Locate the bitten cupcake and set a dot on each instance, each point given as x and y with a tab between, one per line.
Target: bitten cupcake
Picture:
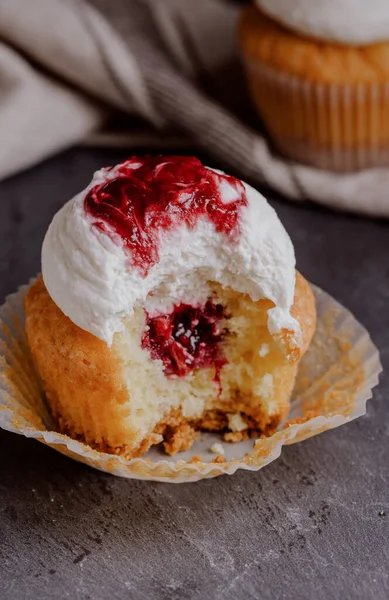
169	304
318	72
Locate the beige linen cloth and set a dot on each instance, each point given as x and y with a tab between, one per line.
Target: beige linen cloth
66	64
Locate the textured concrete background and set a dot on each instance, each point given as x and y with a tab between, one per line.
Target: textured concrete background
306	527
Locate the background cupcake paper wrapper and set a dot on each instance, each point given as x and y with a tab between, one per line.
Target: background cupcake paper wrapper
303	114
172	65
335	380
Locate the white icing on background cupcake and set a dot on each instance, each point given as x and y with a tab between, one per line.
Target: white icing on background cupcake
89	277
354	22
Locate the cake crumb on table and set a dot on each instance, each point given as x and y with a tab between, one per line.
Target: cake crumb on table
217	448
220	458
196	459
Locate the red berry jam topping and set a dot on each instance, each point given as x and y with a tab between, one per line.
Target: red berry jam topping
151	194
187	339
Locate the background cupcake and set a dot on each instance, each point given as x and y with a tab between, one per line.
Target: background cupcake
319	75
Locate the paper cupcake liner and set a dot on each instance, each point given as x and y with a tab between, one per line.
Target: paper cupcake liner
335	380
336	127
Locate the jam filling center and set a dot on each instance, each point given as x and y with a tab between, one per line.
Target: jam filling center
152	194
187	339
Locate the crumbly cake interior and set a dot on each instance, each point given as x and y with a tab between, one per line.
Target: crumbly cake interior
123	399
250	398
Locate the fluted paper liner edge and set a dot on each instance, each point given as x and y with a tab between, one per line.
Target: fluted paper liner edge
335	380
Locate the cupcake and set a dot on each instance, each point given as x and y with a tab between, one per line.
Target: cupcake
318	73
168	304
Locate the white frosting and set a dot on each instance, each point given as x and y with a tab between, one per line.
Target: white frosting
90	277
354	22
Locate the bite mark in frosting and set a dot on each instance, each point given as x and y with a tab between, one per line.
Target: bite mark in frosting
98	281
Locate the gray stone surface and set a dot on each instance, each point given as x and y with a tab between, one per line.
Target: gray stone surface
305	527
